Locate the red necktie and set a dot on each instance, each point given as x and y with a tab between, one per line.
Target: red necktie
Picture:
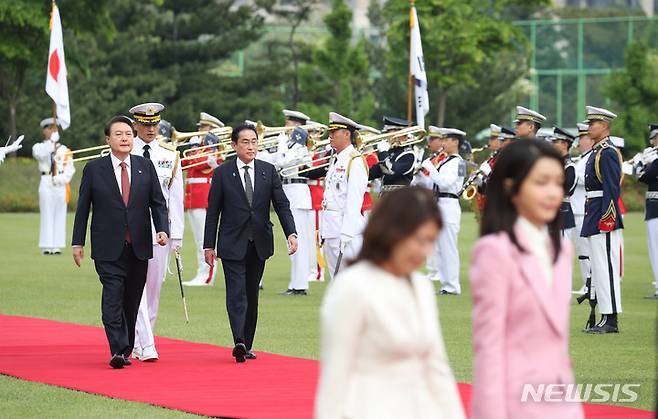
125	191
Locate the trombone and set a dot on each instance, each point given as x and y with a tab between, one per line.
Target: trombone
264	131
98	151
183	138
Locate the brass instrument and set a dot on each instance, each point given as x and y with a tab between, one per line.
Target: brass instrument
478	150
182	138
264	131
290	170
475	180
99	151
635	166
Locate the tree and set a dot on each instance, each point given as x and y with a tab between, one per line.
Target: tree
24	36
634	93
458	38
338	79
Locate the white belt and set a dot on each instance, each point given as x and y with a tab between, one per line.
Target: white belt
652	195
192	180
593	194
567	200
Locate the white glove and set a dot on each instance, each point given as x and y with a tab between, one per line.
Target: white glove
282	143
15	146
176	244
427	165
383	146
344	242
59	180
485	168
2	154
212	162
649	156
54	137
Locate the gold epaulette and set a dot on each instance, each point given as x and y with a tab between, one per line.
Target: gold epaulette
168	146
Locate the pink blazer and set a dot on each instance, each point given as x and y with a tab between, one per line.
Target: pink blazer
520	330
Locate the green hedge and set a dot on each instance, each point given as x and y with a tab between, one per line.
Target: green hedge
19	187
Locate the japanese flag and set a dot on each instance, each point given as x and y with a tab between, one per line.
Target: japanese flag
56	85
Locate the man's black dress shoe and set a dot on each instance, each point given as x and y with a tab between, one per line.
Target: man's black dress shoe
444	292
126	361
250	355
239	352
651	297
117	361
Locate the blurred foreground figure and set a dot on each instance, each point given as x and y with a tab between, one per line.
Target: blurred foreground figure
382	351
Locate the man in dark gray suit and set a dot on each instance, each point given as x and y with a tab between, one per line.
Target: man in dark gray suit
124	192
242	191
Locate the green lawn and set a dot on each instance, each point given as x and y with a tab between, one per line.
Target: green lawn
52	287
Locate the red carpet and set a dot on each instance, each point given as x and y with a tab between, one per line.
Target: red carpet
192	377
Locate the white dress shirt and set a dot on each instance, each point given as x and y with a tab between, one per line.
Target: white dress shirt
241	171
540	246
116	166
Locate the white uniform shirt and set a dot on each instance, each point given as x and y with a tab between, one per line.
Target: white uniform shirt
578	198
449	178
166	166
298	194
343	195
65	170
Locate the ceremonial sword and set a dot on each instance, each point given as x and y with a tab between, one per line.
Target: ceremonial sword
179	268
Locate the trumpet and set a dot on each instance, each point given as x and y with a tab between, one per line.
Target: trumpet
264	131
319	163
98	151
195	152
413	135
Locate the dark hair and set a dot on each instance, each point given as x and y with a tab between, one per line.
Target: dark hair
116	119
396	216
237	130
514	162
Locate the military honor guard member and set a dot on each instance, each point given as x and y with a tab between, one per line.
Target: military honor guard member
124	194
293	150
446	181
527	122
56	167
197	187
346	182
396	162
603	224
578	206
562	141
167	166
649	175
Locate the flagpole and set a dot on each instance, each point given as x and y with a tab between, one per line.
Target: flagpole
52	10
410	84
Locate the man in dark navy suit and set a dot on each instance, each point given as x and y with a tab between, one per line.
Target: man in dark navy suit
124	192
602	224
242	191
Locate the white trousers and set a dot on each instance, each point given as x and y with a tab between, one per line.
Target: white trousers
443	263
148	306
606	266
652	239
331	250
197	217
52	207
582	249
301	260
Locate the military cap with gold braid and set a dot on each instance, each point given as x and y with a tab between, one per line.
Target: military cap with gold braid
207	119
599	114
525	114
337	121
147	113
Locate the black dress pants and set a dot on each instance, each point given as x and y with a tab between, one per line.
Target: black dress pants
242	278
123	283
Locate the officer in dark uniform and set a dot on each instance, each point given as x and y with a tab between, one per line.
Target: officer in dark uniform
562	141
396	165
603	224
649	175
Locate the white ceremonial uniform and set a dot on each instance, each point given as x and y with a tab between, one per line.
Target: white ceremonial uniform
578	208
57	170
382	353
447	181
299	196
167	167
342	222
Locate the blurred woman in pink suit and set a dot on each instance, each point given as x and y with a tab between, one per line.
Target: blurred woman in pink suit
521	284
382	355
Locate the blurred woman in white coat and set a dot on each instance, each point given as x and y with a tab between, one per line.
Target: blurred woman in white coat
382	353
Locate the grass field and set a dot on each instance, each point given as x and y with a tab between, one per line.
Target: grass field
52	287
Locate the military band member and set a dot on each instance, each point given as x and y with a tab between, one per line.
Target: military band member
167	165
649	175
396	161
603	224
293	150
528	122
56	169
578	206
446	180
197	187
346	182
562	141
494	142
504	137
